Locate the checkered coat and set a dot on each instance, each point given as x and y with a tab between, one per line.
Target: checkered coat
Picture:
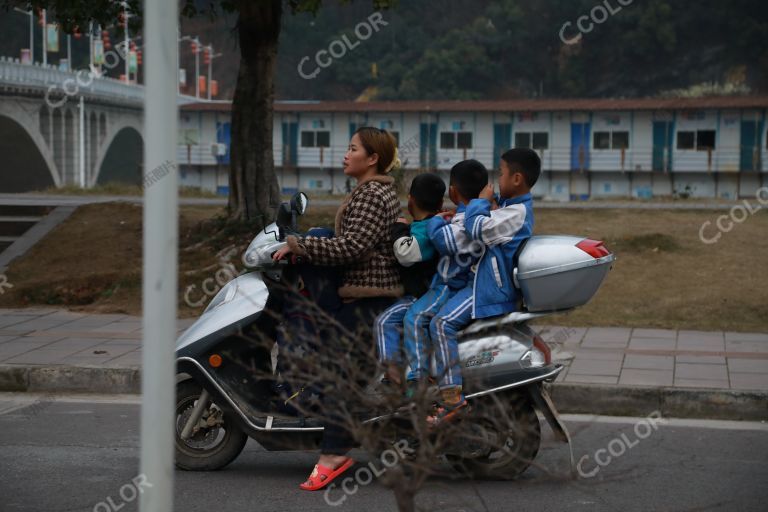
362	241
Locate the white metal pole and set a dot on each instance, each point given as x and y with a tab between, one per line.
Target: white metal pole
160	257
31	36
127	43
90	39
45	40
69	52
81	141
197	68
210	68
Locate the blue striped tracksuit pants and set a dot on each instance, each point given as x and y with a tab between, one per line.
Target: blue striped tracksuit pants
411	317
453	316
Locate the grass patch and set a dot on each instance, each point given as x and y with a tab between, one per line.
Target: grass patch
120	189
651	242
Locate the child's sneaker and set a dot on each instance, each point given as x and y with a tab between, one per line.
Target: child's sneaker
447	413
453	404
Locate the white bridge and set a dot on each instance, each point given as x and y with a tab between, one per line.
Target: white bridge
61	128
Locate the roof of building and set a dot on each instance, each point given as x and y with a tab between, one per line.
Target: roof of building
516	105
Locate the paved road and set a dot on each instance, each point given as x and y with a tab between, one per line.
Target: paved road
72	453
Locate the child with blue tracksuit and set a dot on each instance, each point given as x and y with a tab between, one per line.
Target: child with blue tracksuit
418	261
449	239
500	227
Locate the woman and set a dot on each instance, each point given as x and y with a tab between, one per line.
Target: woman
370	281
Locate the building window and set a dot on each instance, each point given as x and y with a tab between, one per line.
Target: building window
455	140
522	140
701	140
540	140
686	140
620	140
533	140
705	140
610	140
601	140
315	139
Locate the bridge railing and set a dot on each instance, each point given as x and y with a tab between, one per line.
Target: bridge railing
56	83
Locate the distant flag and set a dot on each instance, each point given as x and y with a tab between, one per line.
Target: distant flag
52	36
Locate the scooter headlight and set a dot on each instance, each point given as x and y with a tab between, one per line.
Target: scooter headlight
225	295
250	258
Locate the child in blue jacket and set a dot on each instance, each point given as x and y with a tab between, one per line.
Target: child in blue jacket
500	228
449	239
417	260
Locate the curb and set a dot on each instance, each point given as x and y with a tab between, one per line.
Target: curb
76	379
568	398
720	404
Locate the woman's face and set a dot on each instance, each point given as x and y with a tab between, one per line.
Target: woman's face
357	161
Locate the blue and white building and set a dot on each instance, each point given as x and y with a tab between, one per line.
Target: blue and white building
710	147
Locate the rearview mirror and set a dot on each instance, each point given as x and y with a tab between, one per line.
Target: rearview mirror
299	203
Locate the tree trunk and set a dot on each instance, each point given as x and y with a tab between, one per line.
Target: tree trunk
253	188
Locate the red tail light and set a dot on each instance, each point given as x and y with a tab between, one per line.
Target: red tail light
594	248
543	348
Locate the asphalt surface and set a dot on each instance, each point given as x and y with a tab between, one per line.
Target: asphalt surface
77	453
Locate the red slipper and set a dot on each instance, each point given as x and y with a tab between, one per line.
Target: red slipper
322	475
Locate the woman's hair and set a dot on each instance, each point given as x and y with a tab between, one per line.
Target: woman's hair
383	144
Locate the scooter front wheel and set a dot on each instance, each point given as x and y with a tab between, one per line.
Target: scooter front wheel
214	442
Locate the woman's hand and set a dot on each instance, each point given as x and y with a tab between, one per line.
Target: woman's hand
281	253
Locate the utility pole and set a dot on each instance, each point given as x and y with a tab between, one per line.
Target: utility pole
31	15
81	141
45	40
160	257
127	43
197	67
211	56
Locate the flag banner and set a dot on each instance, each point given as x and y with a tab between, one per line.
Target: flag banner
52	36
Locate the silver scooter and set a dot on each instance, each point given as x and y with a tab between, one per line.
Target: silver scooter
223	396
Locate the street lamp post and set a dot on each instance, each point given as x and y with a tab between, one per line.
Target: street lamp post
45	40
31	15
127	43
197	67
196	41
211	56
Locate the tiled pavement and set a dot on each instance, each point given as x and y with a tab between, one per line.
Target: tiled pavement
54	337
601	355
661	357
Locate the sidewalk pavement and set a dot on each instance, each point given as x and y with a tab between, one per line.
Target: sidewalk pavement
608	370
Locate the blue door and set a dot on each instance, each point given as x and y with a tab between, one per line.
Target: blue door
580	146
502	141
428	145
223	136
290	144
751	133
663	133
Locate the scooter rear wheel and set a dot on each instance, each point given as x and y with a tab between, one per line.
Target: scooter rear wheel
509	424
210	448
